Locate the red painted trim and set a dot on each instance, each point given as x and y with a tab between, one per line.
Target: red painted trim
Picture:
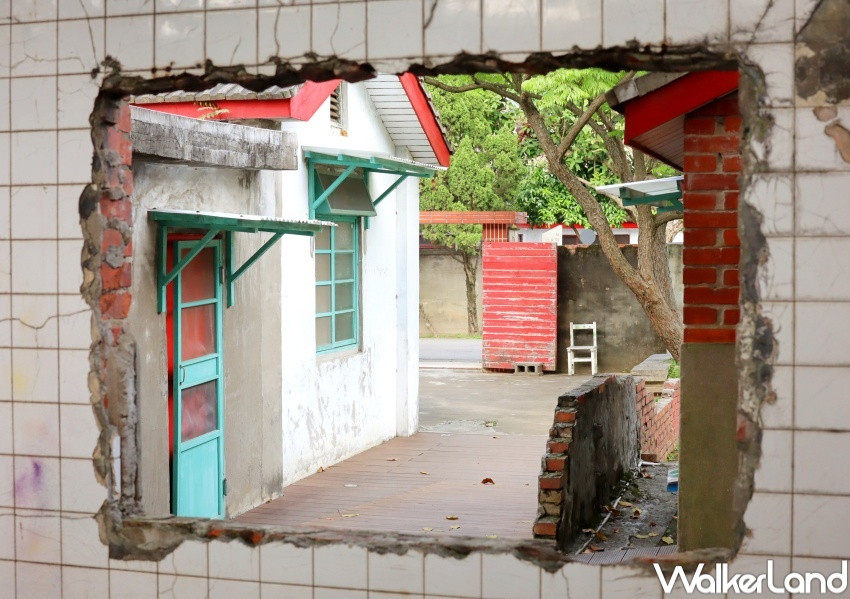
679	97
427	118
625	225
310	97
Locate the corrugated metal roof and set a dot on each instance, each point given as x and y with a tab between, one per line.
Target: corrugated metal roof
396	111
221	91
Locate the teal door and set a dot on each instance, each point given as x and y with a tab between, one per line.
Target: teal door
198	407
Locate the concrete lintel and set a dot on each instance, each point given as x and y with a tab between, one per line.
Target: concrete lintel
182	140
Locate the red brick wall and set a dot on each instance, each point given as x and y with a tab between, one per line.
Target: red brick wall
520	316
712	162
659	420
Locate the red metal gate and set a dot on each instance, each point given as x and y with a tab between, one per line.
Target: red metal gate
520	304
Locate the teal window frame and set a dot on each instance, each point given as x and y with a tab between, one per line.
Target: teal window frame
348	342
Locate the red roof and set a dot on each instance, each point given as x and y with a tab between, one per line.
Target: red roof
655	117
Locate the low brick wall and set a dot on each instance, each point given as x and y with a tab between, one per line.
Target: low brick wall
593	442
659	417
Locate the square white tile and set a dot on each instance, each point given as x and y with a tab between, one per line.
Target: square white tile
129	40
82	9
774	153
773	196
6	374
5	210
128	7
510	26
68	212
73	376
777	63
762	20
339	565
34	266
175	5
34	321
7	481
5	106
7	535
285	591
572	580
35	375
231	37
234	560
132	585
33	212
36	429
37	482
821	333
213	4
76	95
822	404
75	156
814	472
811	537
81	542
84	583
396	573
189	559
39	580
284	31
757	565
37	537
819	209
816	149
625	21
82	45
7	573
6	446
506	577
346	23
179	39
6	146
33	103
768	517
622	582
80	490
821	268
286	563
74	324
780	414
34	10
385	18
451	27
78	431
34	158
573	23
450	576
70	271
695	21
828	568
33	49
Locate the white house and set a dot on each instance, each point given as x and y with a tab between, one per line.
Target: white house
306	355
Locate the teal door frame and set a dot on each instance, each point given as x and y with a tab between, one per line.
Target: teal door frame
198	484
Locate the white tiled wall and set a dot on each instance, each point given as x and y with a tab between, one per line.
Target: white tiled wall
49	544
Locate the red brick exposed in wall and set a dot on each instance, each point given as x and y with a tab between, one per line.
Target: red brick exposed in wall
520	304
712	162
659	417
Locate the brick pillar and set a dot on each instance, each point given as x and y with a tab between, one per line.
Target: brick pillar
712	163
709	385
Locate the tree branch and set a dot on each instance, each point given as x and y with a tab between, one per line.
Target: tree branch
668	217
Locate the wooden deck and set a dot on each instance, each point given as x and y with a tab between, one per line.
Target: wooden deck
410	485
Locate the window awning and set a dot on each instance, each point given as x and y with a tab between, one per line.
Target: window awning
665	194
215	223
337	180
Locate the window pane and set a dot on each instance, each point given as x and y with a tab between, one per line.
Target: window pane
344	326
323	267
323	331
344	236
344	264
198	278
198	411
323	298
197	329
344	296
323	239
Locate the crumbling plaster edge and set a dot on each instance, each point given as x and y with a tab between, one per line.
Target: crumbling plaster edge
132	537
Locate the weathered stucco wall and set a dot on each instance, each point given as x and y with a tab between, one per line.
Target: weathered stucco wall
442	295
792	220
251	334
589	290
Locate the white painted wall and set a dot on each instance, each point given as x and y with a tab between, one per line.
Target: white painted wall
536	235
338	404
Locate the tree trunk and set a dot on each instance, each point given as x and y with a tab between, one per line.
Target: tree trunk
470	271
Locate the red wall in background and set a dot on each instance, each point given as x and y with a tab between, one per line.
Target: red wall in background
520	304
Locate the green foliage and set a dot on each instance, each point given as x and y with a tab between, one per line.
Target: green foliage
674	370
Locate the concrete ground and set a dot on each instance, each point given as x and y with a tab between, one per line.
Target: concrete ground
437	352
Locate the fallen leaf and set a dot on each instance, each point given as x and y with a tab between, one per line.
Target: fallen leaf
492	536
601	536
636	513
653	524
675	517
452	517
668	540
487	481
653	534
321	469
588	530
423	472
616	530
427	528
495	437
625	504
645	474
454	527
349	515
594	548
392	459
641	536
